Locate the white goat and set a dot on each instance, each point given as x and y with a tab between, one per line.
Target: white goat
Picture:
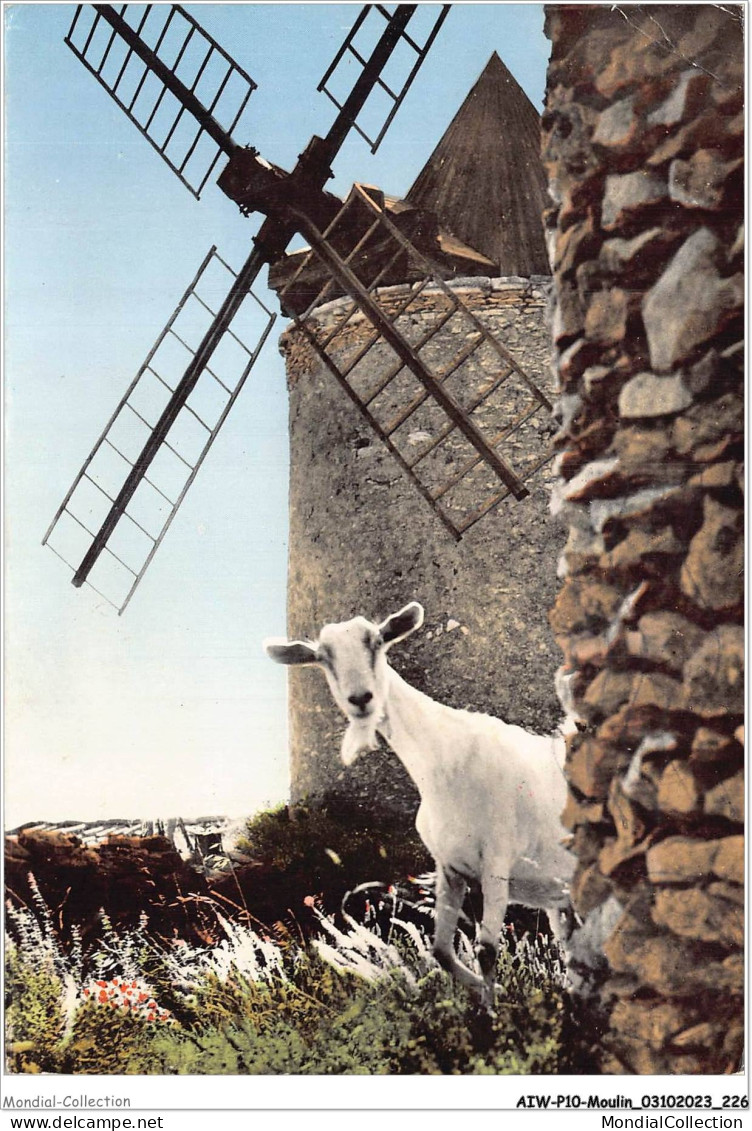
491	794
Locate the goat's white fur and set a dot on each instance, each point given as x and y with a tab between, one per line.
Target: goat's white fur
491	793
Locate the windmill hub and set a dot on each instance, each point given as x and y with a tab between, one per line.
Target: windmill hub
256	185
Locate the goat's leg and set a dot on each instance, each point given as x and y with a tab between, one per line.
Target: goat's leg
495	888
450	891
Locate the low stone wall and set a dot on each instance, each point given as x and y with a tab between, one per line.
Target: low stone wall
642	139
363	541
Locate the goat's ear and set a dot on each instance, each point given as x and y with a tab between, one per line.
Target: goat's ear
401	624
291	651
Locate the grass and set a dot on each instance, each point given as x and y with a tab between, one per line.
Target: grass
362	996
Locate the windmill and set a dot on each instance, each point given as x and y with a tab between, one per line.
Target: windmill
186	95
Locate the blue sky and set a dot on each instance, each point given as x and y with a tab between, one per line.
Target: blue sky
171	709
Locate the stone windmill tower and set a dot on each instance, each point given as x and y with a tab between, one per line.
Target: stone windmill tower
362	540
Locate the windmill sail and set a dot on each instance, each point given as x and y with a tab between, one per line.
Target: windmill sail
119	507
451	403
397	50
186	95
180	89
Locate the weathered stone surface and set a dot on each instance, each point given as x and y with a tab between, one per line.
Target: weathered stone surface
651	486
652	1021
619	254
573	244
589	889
643	447
627	194
702	181
582	550
647	395
727	799
712	573
734	893
664	638
630	830
714	675
684	100
581	605
639	60
581	812
729	859
708	746
617	125
640	545
658	960
592	764
706	1034
607	314
690	302
694	914
678	791
706	427
681	859
569	315
716	475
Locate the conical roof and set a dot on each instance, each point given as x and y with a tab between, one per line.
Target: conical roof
485	179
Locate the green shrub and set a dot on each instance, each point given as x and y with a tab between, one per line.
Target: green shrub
382	848
35	1021
355	1001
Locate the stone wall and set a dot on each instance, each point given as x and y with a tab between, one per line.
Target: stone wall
363	541
642	138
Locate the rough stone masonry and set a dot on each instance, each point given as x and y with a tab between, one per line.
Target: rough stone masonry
363	541
642	140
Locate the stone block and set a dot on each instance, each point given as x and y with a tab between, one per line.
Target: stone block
574	245
584	605
727	799
678	791
691	302
712	573
706	428
729	859
670	965
630	828
695	914
646	395
646	446
592	764
733	893
618	125
589	889
708	747
714	674
702	181
683	102
581	812
617	255
639	546
626	195
653	1021
681	859
606	317
664	638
